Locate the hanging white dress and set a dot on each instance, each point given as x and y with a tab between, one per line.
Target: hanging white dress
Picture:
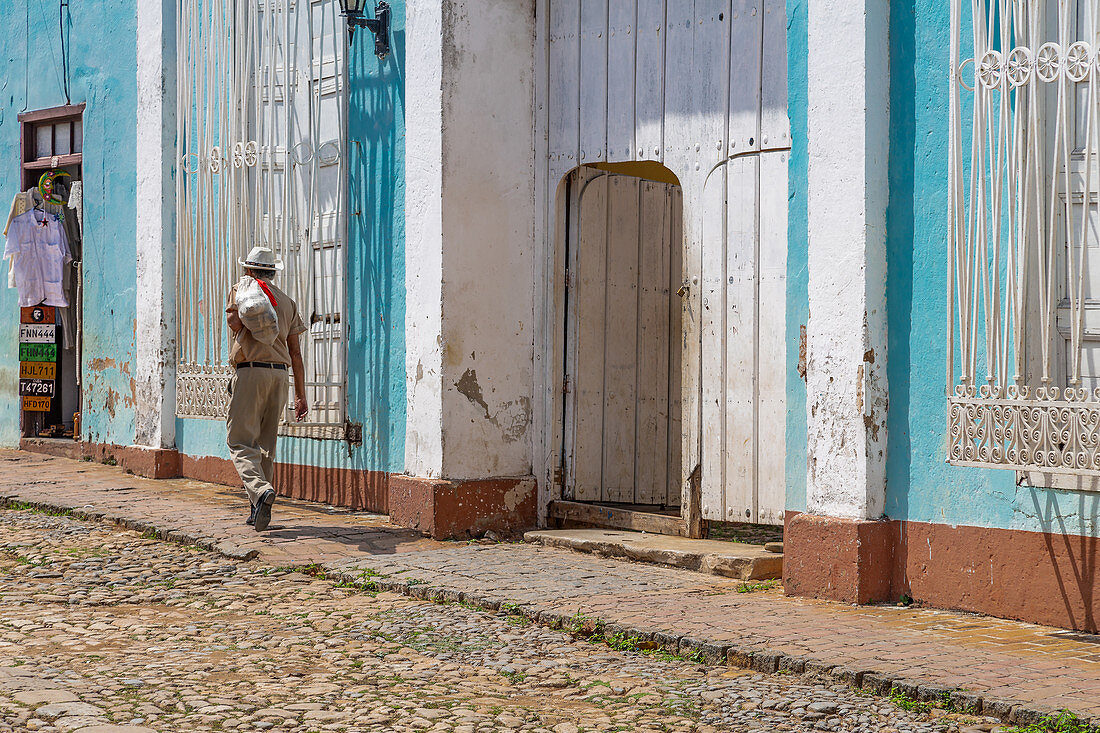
41	252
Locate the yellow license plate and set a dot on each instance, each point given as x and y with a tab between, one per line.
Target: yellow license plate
36	404
38	370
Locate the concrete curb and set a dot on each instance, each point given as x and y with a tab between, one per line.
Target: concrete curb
758	658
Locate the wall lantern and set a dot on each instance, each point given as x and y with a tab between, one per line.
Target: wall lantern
379	25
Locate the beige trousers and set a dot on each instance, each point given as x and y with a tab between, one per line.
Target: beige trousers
256	402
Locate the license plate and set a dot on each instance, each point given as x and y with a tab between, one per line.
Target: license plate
36	404
37	370
36	387
37	333
37	352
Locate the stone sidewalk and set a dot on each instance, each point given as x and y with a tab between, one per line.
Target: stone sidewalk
1013	670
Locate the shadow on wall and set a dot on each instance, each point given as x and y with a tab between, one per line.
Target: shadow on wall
1043	570
899	253
375	282
1072	553
1046	577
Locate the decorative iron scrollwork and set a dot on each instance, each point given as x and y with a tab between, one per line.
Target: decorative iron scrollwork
1045	429
202	391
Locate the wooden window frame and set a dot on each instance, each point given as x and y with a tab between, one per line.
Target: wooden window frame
30	165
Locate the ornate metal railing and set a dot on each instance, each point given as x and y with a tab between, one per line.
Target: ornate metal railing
1024	251
1045	429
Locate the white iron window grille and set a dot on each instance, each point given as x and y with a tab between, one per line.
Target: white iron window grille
262	139
1024	254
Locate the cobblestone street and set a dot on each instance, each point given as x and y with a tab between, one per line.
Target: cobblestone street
106	630
1013	671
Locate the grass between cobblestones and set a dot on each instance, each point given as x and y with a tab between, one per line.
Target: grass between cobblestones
594	631
1063	722
343	636
36	509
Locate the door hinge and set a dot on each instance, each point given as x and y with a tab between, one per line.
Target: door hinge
566	385
570	281
559	475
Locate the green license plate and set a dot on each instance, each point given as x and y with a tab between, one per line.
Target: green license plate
37	352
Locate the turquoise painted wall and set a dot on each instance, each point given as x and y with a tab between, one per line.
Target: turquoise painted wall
32	80
921	486
797	227
375	277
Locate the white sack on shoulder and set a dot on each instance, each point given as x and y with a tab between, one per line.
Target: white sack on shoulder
256	312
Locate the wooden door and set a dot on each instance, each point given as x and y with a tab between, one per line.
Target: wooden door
623	319
742	340
699	88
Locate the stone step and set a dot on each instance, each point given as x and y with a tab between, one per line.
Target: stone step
58	447
728	559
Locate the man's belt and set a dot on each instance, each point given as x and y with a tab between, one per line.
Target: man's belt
261	365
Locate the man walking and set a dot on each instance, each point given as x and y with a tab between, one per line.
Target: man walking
258	389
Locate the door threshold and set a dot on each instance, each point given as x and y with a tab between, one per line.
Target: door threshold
616	518
728	559
57	447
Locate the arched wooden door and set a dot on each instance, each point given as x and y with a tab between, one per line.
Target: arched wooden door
622	407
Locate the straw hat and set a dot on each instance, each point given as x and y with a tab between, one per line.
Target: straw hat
261	258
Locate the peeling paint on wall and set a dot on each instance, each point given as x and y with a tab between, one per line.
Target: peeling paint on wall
470	283
469	387
847	198
110	157
512	418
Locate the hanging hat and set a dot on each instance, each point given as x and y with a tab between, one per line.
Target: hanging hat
261	258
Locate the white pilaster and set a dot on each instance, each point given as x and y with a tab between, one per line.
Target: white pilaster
470	251
424	238
848	146
155	328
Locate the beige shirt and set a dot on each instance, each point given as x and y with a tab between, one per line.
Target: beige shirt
242	347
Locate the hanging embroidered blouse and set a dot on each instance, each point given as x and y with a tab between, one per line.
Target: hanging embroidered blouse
41	252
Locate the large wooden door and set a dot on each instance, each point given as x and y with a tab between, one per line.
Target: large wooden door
623	318
700	89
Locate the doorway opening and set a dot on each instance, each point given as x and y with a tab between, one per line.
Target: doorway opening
51	156
621	438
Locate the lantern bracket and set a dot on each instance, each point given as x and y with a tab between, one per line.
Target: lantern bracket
379	25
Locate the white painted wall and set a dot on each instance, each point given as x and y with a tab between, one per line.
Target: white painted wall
155	342
848	146
470	238
488	221
424	238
